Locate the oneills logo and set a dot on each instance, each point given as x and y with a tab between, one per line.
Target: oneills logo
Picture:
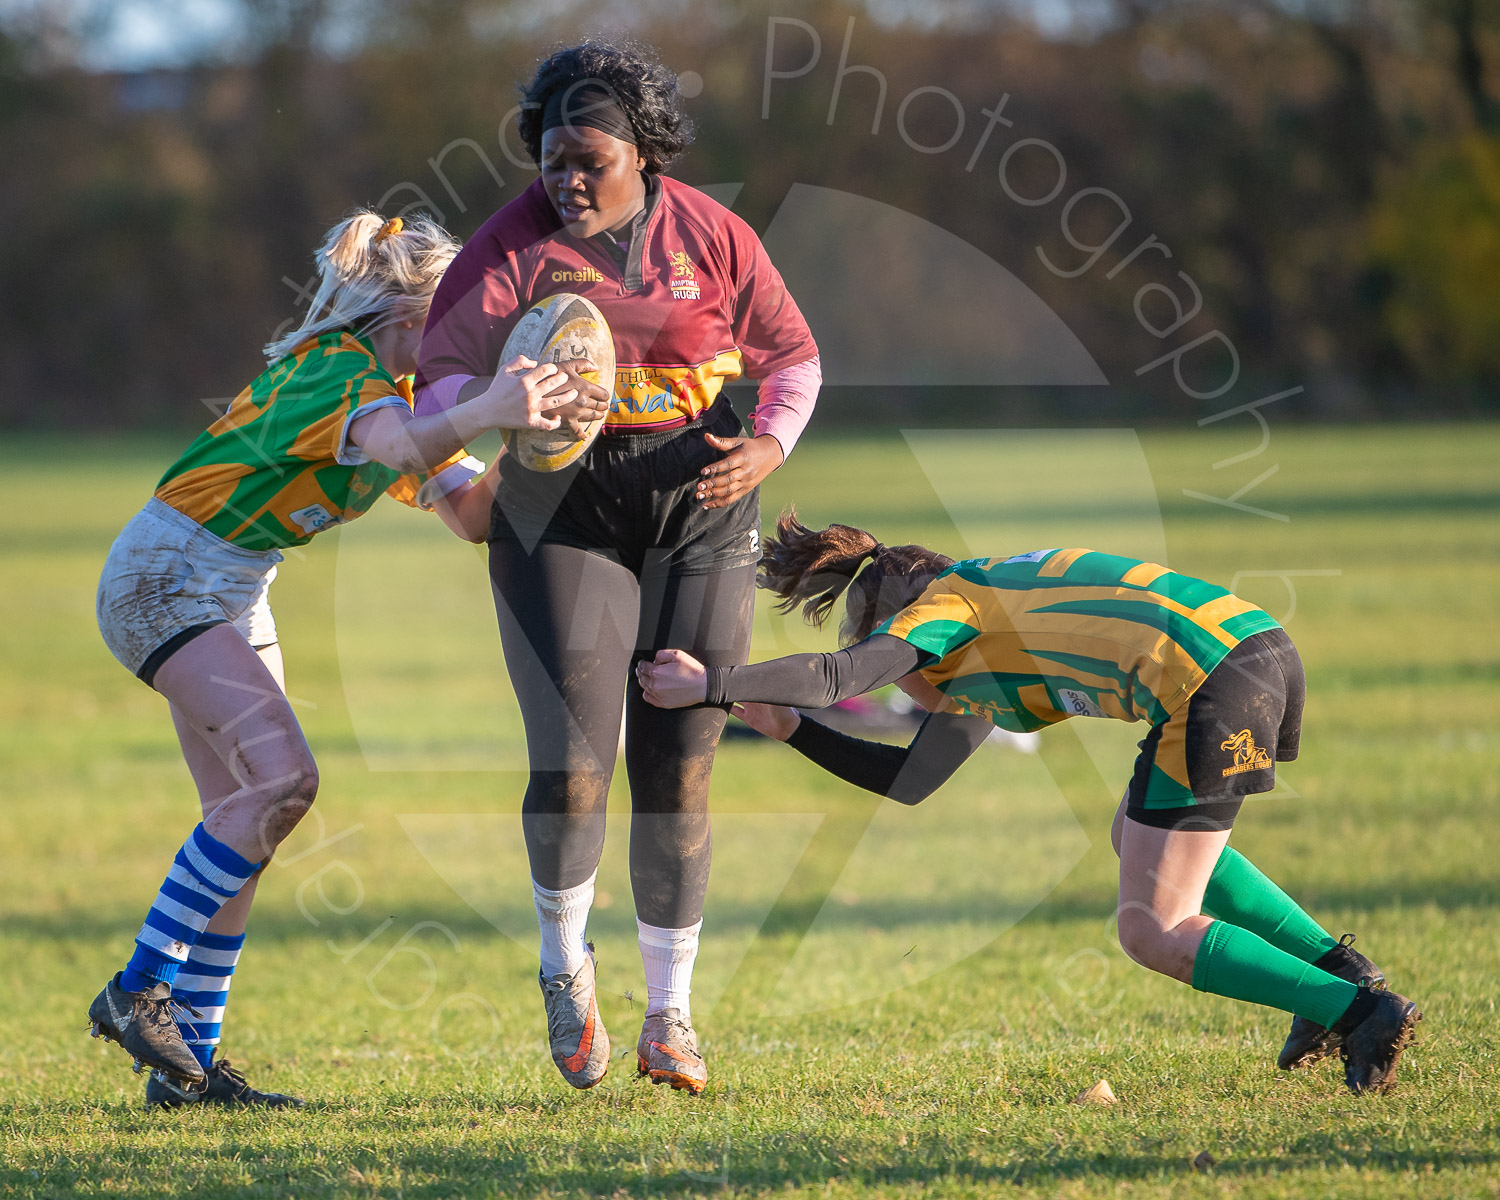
684	280
1247	755
587	275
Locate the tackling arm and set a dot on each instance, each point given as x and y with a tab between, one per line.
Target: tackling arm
905	774
816	680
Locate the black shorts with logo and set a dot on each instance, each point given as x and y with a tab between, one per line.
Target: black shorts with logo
633	498
1195	768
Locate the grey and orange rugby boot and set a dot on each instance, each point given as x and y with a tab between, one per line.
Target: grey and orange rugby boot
1372	1047
1308	1042
222	1085
580	1046
144	1024
668	1052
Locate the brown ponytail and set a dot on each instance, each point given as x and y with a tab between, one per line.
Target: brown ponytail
815	567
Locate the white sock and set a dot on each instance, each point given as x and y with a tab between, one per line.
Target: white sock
562	917
668	956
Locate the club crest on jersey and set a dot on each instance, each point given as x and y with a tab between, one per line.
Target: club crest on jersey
1247	755
684	279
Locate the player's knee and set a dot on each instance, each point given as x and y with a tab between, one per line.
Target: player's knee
285	803
1141	935
577	792
305	785
300	789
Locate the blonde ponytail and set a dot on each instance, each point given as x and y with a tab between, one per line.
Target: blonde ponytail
815	567
349	248
372	273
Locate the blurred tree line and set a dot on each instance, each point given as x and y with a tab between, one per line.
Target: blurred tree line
1328	171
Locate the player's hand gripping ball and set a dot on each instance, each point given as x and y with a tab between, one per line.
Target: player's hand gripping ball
565	330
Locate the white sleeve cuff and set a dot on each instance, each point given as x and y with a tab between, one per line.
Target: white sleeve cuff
352	456
450	478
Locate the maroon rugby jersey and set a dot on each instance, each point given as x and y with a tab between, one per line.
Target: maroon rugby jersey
696	302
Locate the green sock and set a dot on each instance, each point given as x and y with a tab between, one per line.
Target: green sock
1240	894
1234	962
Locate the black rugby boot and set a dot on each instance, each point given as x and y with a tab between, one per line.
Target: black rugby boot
222	1085
145	1025
1371	1047
1309	1042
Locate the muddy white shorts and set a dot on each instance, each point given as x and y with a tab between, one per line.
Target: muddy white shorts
167	579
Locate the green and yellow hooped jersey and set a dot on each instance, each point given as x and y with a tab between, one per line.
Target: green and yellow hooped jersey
276	469
1034	639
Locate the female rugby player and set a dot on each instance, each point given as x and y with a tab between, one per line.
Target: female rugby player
183	603
1027	641
650	539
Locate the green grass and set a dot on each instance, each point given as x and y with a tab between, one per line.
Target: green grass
893	1002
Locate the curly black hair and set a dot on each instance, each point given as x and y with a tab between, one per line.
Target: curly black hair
647	91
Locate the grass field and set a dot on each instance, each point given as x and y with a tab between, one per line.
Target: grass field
892	1001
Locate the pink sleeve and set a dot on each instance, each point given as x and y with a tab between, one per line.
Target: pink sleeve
440	395
786	402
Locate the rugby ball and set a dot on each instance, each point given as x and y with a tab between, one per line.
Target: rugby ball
559	328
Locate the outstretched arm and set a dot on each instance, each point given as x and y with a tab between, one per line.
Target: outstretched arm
906	774
522	395
676	680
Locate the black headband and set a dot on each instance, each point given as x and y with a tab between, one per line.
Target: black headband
588	103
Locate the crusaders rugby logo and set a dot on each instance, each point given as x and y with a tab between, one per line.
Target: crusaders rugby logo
1247	755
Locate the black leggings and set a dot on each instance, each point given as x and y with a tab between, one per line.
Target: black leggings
573	623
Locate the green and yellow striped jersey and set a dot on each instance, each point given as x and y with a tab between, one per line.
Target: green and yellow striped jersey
1036	638
277	468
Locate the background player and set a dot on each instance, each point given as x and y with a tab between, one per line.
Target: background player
1026	641
650	539
183	603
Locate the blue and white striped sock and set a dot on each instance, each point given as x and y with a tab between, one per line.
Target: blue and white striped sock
204	875
204	983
